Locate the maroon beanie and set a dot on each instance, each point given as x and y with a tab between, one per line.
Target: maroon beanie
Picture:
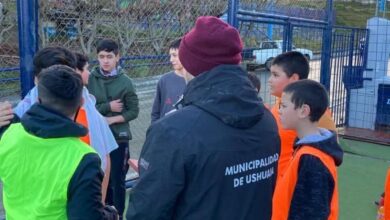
210	43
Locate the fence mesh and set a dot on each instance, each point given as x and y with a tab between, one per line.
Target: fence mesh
9	57
144	28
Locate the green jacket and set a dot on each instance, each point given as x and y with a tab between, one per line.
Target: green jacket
109	88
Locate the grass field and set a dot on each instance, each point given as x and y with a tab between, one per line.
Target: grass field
361	179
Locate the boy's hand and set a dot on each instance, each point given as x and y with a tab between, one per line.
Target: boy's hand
6	113
116	105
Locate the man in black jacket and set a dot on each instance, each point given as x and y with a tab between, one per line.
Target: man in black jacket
215	158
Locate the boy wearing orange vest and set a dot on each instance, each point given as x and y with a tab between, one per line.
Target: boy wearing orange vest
287	68
308	188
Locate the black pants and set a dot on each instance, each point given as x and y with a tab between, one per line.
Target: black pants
116	191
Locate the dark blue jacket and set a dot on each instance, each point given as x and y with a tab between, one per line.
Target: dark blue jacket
216	158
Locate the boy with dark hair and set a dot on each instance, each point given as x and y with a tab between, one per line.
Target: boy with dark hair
45	58
62	174
82	66
308	189
170	86
48	57
99	136
117	101
287	68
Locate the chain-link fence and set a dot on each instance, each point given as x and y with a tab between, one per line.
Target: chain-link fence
144	28
9	57
268	27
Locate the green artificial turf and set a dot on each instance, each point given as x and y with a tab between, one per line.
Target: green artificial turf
361	179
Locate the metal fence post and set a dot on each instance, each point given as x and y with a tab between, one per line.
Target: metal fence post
28	41
232	12
327	48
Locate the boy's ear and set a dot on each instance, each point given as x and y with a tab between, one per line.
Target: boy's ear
304	111
294	77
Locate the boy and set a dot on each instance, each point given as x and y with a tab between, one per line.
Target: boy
285	69
47	171
99	136
308	188
171	85
117	101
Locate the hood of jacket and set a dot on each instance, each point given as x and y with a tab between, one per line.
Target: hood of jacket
226	93
326	141
44	122
97	72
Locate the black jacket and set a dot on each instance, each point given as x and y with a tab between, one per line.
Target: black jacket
84	189
216	158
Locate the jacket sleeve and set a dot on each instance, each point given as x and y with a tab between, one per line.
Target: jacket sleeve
162	177
313	191
25	104
104	108
157	103
84	192
131	108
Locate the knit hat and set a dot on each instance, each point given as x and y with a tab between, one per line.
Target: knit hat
210	43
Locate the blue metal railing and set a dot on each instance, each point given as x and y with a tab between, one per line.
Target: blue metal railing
164	62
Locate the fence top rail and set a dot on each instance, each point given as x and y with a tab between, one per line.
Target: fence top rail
279	17
9	69
349	28
259	20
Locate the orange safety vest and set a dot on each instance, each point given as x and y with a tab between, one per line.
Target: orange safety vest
82	119
387	196
285	186
287	137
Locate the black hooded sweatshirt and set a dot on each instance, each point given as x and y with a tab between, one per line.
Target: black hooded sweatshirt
215	158
315	203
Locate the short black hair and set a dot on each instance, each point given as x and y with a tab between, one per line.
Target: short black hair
293	62
175	44
81	60
50	56
311	93
255	81
108	45
60	88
